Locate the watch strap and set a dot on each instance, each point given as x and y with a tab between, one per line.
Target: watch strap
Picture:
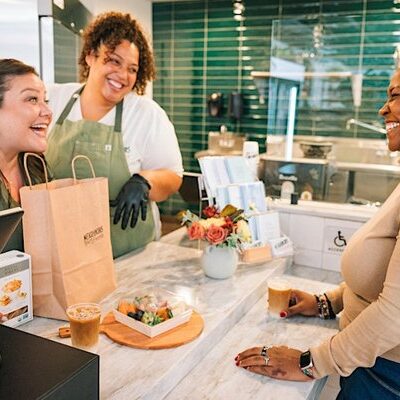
308	372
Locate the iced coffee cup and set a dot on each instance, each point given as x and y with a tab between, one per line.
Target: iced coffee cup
84	319
278	296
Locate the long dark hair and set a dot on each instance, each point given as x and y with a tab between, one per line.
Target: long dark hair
9	67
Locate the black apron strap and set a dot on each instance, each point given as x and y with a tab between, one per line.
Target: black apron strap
118	117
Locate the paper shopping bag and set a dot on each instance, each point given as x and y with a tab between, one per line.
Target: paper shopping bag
67	233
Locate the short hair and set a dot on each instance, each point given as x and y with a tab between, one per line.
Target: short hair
9	68
110	29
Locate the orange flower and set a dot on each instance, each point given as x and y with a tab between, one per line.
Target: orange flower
216	234
226	228
228	225
196	231
210	212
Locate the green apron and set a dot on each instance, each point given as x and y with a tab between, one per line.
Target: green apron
104	146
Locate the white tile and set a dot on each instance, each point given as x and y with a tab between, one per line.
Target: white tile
343	223
307	257
331	262
284	222
307	231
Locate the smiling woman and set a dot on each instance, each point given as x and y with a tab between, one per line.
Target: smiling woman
127	136
366	351
391	113
24	118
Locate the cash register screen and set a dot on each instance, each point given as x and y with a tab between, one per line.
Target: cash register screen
9	220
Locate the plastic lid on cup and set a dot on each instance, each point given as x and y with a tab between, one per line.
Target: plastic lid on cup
250	148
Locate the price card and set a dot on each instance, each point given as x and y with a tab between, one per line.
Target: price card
281	247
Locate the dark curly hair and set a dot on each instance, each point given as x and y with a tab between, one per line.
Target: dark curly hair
110	29
9	68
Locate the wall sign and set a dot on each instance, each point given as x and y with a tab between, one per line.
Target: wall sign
336	238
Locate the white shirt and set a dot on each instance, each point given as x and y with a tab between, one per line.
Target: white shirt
147	133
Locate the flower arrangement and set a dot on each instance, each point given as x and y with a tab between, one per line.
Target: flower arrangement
226	228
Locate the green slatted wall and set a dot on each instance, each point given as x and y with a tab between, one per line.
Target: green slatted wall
201	49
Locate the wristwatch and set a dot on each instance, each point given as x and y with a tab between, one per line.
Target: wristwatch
306	365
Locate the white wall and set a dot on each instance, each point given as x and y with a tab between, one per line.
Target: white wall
140	9
19	31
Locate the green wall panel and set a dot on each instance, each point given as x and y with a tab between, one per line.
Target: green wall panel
200	49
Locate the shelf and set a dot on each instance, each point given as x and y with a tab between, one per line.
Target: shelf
267	74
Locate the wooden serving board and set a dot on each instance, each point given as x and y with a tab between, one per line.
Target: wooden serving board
126	336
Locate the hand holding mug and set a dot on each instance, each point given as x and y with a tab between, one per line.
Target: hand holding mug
302	303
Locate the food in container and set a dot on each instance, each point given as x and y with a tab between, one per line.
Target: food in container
152	311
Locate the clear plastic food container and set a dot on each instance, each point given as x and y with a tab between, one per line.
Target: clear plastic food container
153	301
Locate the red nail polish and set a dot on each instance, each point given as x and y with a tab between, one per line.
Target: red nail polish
237	363
237	357
283	314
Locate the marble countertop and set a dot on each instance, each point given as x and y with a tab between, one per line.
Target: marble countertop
217	376
128	373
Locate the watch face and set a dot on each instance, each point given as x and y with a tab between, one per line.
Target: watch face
305	359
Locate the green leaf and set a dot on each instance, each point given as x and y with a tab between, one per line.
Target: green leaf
157	319
188	217
228	210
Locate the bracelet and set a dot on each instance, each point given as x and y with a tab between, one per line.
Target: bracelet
332	314
325	310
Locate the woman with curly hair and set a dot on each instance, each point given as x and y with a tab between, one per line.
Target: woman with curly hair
127	136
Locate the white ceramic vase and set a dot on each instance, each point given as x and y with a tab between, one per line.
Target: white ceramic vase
219	262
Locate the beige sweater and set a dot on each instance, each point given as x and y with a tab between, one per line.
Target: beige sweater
369	299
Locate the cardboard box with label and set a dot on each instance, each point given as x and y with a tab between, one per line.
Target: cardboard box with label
15	288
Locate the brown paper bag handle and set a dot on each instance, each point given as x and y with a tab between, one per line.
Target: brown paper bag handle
26	155
73	165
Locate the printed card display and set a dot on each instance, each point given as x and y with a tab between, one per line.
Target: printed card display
223	171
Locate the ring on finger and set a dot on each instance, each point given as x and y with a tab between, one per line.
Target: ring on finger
264	354
264	351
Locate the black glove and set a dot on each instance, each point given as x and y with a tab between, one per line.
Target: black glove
131	199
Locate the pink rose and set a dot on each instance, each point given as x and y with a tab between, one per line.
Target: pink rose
216	234
196	231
